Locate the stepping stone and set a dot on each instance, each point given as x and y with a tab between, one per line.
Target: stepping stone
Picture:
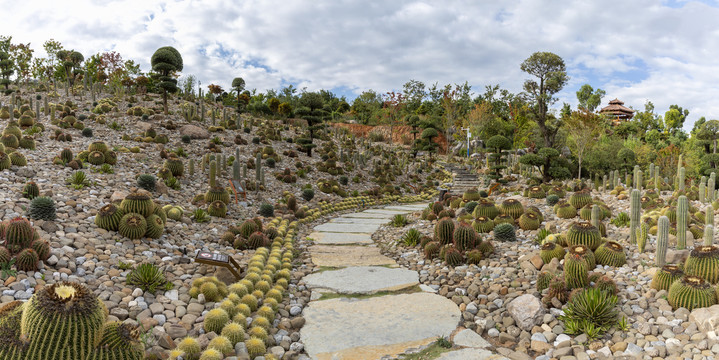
363	279
340	238
409	208
351	329
341	256
385	212
366	215
469	338
474	354
359	221
346	228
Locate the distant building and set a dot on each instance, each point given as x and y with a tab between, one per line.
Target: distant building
617	112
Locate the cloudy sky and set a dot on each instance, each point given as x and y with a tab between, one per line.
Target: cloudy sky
662	51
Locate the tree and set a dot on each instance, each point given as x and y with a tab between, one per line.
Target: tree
674	119
589	99
167	62
498	145
366	105
394	103
584	127
22	57
70	62
215	91
551	74
238	84
415	93
548	160
6	64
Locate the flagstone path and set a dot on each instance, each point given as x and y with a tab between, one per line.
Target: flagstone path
341	326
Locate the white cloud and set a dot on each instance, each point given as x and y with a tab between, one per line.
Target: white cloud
634	50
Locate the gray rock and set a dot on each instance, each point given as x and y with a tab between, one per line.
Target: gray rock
527	311
363	279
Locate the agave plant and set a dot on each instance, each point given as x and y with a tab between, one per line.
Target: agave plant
591	311
399	221
147	277
172	183
411	237
78	180
200	215
622	219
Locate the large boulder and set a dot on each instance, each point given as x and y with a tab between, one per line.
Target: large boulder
527	311
194	132
707	319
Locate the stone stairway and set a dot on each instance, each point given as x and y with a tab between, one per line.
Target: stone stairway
463	179
345	322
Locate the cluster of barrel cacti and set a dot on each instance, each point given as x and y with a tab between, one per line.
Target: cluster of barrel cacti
457	242
137	216
246	309
21	244
65	321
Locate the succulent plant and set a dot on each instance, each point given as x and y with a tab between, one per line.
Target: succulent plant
452	256
19	233
132	226
137	202
585	253
580	199
543	280
215	320
30	190
27	260
483	224
175	166
565	210
443	231
512	208
217	208
465	238
108	217
234	332
691	292
431	249
550	251
155	226
5	162
504	232
147	182
529	221
575	271
255	347
485	208
666	276
42	208
42	248
610	253
703	262
96	158
147	277
267	210
583	233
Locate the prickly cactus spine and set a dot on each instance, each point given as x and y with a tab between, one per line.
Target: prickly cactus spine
682	210
635	208
662	240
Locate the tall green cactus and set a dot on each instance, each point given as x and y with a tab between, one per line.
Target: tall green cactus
192	167
642	236
638	180
213	174
662	240
627	179
708	235
635	208
702	191
258	169
604	182
680	178
596	213
709	215
711	187
236	169
682	213
651	170
657	179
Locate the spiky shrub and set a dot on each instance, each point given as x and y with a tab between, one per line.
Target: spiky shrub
529	221
140	203
503	219
27	260
453	257
552	199
30	190
512	208
256	240
234	332
611	253
485	208
642	236
550	251
691	292
580	199
19	233
42	208
557	290
64	321
147	277
662	240
175	166
132	226
217	208
147	182
222	344
155	226
703	262
504	232
108	217
119	341
443	231
465	238
431	249
583	233
411	237
211	354
543	280
255	347
247	228
98	146
666	276
215	320
565	210
483	224
41	247
591	311
474	256
575	271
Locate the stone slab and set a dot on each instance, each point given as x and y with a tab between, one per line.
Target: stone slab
363	279
408	208
359	221
340	238
341	256
469	338
366	215
346	228
385	211
351	329
474	354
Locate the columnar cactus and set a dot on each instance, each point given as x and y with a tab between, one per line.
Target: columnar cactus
236	169
635	207
192	168
709	215
642	236
258	169
213	174
651	170
682	211
657	179
702	191
662	240
711	188
708	235
604	182
596	216
680	179
638	180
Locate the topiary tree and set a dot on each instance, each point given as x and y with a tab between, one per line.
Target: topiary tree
71	61
6	70
548	160
166	62
497	145
425	143
238	84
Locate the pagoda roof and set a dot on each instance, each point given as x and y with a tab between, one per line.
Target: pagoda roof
616	107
